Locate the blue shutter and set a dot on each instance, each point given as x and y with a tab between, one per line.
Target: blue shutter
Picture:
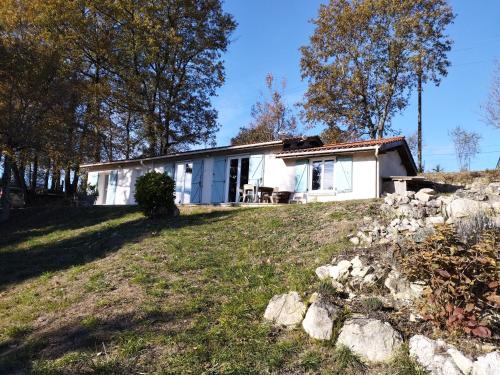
343	174
113	181
256	170
218	180
301	167
197	181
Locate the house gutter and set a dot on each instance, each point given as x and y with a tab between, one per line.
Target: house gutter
331	151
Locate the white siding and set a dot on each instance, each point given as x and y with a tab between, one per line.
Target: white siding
364	180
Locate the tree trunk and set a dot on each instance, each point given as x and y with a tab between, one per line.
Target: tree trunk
4	197
419	126
21	182
46	177
67	182
34	174
76	178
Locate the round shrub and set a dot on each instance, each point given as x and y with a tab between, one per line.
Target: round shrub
154	193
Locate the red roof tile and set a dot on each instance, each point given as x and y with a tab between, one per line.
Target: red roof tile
356	144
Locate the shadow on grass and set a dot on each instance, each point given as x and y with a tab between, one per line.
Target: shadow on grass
35	222
17	355
19	265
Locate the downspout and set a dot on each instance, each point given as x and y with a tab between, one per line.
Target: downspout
377	173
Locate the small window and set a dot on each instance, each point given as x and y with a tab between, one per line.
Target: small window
322	175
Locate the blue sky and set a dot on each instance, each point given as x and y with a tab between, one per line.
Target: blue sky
270	33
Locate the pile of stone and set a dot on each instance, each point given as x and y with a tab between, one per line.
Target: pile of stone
414	214
374	340
353	276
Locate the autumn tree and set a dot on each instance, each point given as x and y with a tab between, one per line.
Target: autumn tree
492	107
360	63
273	119
466	146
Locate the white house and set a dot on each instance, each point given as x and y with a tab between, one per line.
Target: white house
305	167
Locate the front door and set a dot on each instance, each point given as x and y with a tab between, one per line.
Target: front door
183	180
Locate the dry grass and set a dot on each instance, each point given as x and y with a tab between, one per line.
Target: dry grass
103	290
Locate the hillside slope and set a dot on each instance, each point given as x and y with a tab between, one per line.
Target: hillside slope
103	290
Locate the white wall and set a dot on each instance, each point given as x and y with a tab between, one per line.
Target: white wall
364	181
279	173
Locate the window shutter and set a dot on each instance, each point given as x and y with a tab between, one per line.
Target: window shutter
301	176
343	174
255	170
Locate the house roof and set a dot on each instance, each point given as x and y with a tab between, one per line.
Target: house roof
383	145
347	145
188	153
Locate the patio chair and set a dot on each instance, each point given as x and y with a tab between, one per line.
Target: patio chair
248	193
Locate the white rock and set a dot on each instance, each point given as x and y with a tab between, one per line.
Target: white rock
319	319
488	364
371	339
401	288
361	272
464	207
460	360
493	188
433	356
425	195
369	280
434	220
356	262
354	240
323	272
285	309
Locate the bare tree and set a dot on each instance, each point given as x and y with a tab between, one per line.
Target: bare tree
492	107
466	146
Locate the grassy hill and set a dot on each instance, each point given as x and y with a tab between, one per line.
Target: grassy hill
104	290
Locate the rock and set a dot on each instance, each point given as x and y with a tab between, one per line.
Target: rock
493	188
464	207
356	262
361	272
371	339
285	309
319	319
401	288
461	361
434	220
421	234
488	364
433	356
354	240
389	200
340	272
369	280
314	297
323	272
425	194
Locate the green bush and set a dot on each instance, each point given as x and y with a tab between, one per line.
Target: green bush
154	193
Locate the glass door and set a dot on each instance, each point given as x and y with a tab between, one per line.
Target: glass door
238	176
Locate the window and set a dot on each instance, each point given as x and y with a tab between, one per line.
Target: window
322	175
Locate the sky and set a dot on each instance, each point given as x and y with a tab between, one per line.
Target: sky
270	33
